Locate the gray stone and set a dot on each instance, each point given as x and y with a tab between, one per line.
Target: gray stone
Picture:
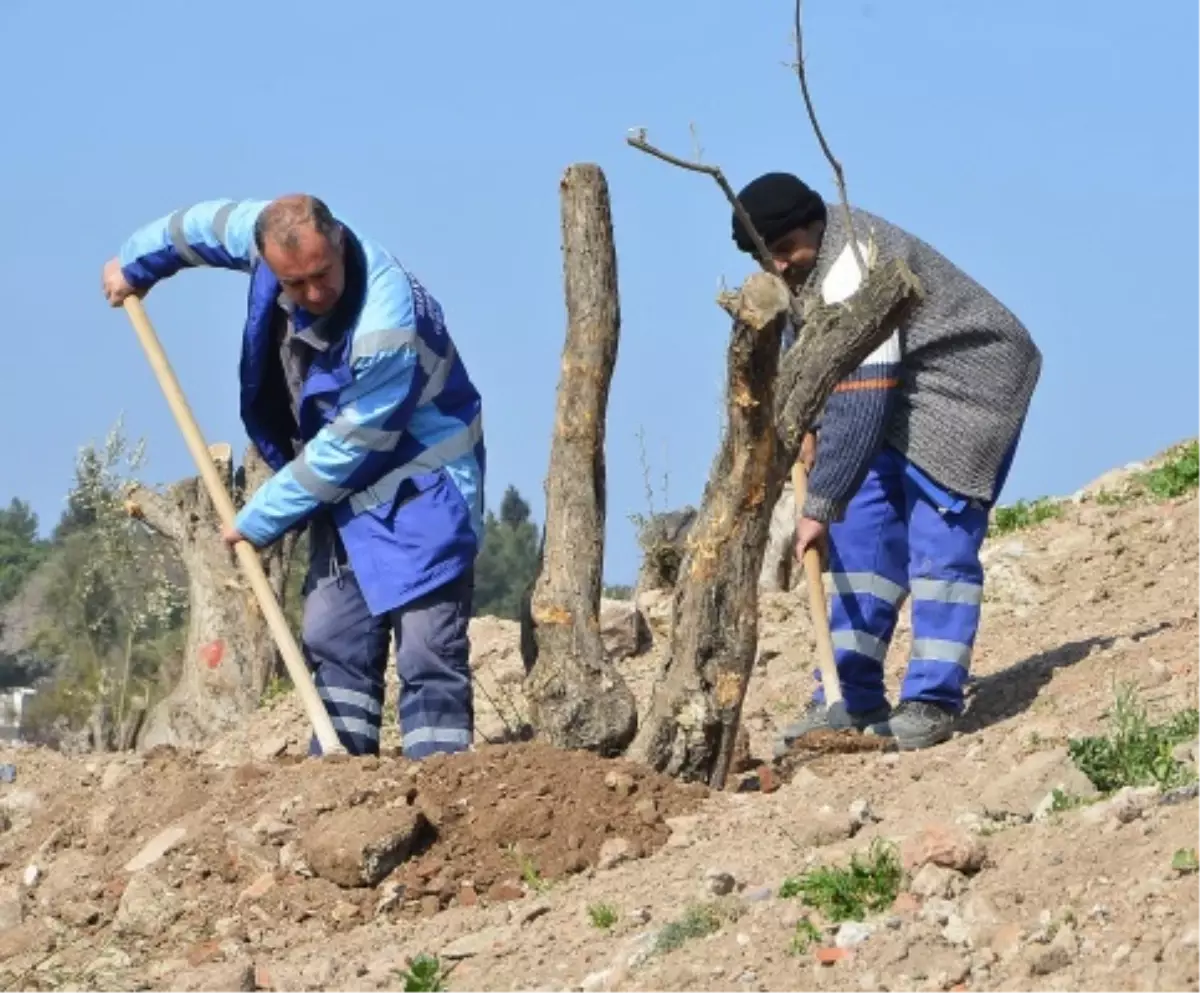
594	982
861	812
937	881
613	852
1020	790
938	911
157	847
1058	954
111	960
476	943
638	950
824	827
623	629
852	933
147	908
359	846
1124	807
237	975
758	894
271	748
956	931
271	830
1046	959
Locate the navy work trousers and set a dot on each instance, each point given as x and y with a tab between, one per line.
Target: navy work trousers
347	648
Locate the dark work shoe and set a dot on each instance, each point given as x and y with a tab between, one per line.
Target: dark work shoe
817	717
920	724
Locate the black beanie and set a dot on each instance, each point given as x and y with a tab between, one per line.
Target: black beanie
777	203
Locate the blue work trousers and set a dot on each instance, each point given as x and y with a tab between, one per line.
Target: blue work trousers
346	648
900	537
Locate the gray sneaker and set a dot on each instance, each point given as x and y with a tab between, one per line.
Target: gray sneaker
920	724
816	717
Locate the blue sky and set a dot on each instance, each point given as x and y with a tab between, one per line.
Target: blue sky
1047	148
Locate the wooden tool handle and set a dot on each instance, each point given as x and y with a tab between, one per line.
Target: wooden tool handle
246	554
817	606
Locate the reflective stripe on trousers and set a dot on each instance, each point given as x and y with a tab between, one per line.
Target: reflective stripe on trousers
347	650
894	542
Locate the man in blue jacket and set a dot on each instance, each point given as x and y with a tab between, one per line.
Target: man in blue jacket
354	393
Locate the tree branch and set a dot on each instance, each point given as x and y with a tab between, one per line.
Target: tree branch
838	174
153	510
761	252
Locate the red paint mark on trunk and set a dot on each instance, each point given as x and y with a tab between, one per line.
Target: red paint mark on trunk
212	653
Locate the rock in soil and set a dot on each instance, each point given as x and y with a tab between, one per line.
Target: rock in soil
360	846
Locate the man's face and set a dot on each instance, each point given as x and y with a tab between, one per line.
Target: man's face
310	269
795	253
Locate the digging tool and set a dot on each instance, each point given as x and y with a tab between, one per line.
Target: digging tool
246	554
835	707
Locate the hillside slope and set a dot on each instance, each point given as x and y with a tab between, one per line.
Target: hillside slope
991	862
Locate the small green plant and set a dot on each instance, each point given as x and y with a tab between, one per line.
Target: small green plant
1178	474
868	885
602	915
698	920
1185	861
1024	514
1136	752
807	934
424	975
1113	498
277	686
531	875
1060	801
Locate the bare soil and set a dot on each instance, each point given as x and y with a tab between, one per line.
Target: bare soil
218	870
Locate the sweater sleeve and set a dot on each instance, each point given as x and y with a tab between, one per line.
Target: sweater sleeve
855	415
852	426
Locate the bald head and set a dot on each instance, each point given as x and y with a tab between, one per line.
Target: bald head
282	221
301	242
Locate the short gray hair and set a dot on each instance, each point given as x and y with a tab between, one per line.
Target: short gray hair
281	220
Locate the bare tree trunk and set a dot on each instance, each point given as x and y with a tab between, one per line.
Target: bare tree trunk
714	635
691	729
229	655
577	699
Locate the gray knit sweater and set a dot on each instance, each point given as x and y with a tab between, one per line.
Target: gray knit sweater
949	390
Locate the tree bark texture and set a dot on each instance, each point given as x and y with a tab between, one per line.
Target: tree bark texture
577	698
714	636
691	728
230	655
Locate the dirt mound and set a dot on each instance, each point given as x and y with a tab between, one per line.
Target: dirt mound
169	853
516	814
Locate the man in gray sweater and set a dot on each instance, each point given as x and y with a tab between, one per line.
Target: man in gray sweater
912	451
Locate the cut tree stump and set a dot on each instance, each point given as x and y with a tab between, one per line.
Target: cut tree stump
691	728
577	698
230	655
